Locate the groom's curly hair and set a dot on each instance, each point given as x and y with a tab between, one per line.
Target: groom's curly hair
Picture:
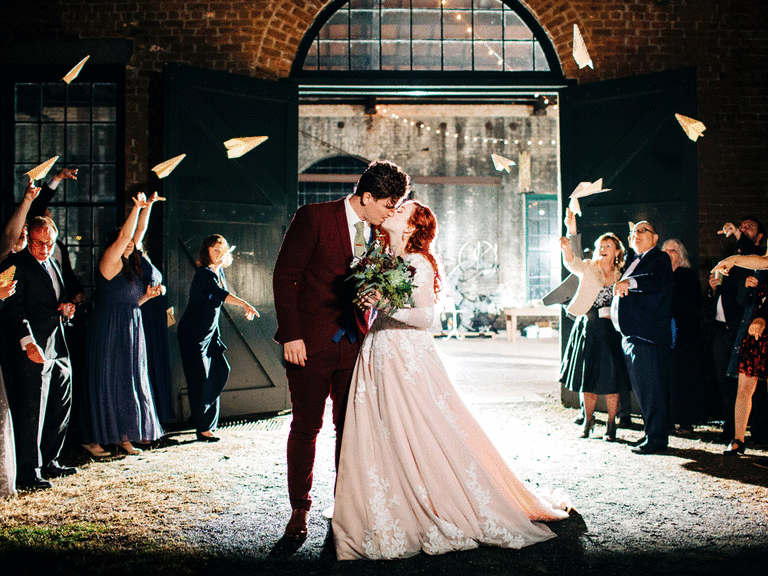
424	224
383	179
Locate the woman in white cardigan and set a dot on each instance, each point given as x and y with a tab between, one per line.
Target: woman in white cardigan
593	363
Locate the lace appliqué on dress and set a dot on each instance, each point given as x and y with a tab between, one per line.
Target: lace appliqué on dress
493	533
385	539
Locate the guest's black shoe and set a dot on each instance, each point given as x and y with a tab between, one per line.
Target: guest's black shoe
579	419
34	485
56	470
166	441
625	422
203	438
648	448
736	447
610	432
639	442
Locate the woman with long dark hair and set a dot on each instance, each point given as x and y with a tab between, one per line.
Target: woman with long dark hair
202	351
416	470
118	407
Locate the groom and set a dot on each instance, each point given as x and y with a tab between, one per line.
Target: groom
319	326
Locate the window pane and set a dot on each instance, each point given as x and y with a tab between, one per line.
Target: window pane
395	4
396	25
353	4
104	222
518	56
80	258
76	190
488	25
27	103
334	55
337	26
104	142
396	56
78	143
427	55
488	56
104	187
457	55
456	25
365	55
311	62
51	140
53	102
540	60
26	143
426	25
78	226
79	103
457	4
104	103
515	28
364	25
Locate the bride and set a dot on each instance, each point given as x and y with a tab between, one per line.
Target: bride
416	470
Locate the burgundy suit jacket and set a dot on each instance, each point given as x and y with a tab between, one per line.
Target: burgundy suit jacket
312	299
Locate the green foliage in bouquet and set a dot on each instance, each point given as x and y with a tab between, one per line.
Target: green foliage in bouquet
380	270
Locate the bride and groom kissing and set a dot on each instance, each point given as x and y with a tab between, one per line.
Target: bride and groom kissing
415	472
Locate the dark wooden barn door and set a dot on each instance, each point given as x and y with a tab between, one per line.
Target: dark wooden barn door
248	200
625	132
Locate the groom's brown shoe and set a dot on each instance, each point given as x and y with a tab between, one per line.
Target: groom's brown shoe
297	525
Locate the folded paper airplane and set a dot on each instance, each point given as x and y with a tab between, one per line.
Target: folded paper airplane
693	128
582	190
164	168
72	74
236	147
6	277
170	319
41	171
501	163
580	52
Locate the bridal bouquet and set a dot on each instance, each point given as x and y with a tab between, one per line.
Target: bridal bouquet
380	270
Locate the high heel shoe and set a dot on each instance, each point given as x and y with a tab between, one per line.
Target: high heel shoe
610	432
96	451
204	438
128	448
588	425
739	449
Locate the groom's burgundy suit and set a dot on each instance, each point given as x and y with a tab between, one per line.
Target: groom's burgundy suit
314	303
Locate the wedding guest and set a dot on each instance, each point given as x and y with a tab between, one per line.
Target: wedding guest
7	450
686	395
202	351
728	313
119	408
593	363
41	396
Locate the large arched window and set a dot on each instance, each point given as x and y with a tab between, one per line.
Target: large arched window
427	35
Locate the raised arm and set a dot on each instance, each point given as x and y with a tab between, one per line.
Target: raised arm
111	263
15	225
750	262
143	223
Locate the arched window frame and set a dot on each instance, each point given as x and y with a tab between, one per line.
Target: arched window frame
553	75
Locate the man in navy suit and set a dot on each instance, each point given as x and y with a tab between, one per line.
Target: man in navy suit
641	312
40	396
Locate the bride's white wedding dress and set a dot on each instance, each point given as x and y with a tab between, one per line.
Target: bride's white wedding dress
7	450
416	471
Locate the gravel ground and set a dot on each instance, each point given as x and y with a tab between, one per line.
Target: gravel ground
221	508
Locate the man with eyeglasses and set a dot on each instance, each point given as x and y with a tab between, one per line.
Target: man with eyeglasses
727	295
40	395
642	313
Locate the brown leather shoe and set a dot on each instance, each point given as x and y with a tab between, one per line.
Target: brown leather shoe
297	525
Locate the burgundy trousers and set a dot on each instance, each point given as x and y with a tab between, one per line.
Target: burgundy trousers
329	372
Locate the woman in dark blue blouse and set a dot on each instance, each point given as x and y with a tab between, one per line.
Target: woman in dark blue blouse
202	351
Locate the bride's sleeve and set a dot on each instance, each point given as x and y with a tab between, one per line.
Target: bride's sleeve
422	313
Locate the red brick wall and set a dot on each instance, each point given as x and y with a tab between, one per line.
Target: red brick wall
725	39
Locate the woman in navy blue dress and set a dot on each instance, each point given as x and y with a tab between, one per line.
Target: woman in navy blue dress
118	405
202	351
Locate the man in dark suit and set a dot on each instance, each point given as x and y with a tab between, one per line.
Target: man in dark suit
319	326
641	312
41	394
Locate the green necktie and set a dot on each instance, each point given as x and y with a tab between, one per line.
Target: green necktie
359	239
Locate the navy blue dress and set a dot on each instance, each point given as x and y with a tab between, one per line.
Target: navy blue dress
155	320
118	397
202	351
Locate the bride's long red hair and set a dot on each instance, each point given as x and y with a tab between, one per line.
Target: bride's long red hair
424	226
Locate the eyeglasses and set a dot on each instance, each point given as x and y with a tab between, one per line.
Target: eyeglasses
642	231
40	243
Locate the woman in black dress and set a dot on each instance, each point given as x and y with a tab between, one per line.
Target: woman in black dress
202	351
